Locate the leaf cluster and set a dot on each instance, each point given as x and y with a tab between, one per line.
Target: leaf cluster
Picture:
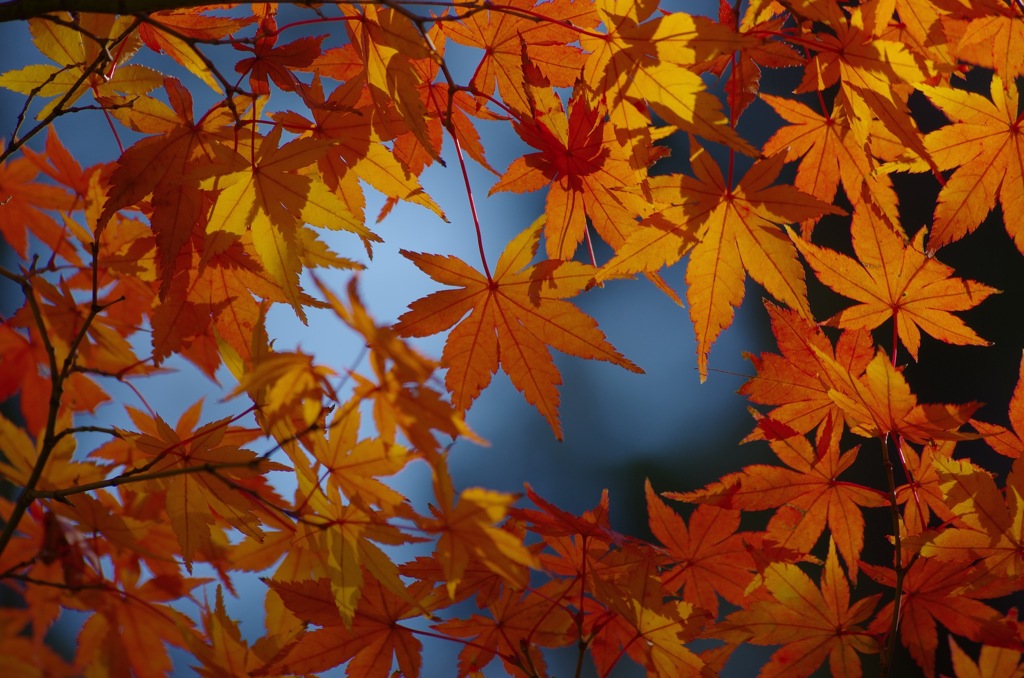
174	249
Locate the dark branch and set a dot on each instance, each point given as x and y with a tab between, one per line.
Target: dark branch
22	10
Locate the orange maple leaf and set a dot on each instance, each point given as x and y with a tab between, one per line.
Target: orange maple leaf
401	395
807	496
992	661
642	619
514	317
990	34
22	205
879	402
195	501
744	80
641	60
82	64
444	105
375	639
344	543
985	145
286	385
792	380
936	592
987	527
269	199
353	465
504	28
157	166
733	232
583	168
811	624
386	40
710	558
893	278
133	623
520	623
21	456
276	61
873	72
922	495
468	530
170	32
830	153
345	118
226	652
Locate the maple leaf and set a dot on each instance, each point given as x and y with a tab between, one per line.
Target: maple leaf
552	521
792	380
730	232
992	661
987	527
401	395
126	636
270	199
652	627
468	530
808	495
353	466
386	41
985	145
513	317
195	500
506	28
82	64
922	495
583	168
170	31
23	656
873	72
287	385
830	153
276	61
345	118
374	640
936	592
102	346
520	622
743	84
22	205
879	402
156	166
990	34
22	454
893	278
226	651
346	550
811	624
710	557
649	61
448	110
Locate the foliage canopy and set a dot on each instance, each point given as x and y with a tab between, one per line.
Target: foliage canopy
179	243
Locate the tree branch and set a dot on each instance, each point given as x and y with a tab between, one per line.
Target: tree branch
22	10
